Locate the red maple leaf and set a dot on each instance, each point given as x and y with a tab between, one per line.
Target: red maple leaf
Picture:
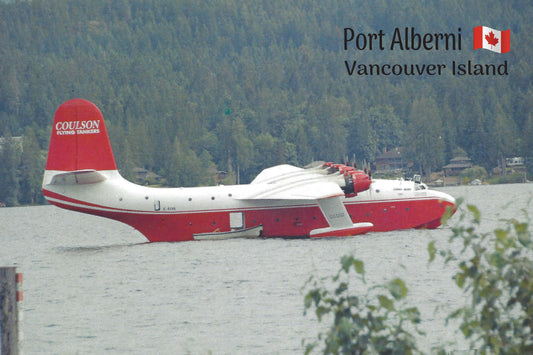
491	39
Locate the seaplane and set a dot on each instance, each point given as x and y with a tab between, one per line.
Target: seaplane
327	200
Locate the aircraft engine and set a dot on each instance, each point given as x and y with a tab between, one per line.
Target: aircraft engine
355	180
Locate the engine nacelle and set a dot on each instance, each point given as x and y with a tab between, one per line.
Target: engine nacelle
355	181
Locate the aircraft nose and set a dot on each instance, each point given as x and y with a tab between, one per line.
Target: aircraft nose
446	198
449	199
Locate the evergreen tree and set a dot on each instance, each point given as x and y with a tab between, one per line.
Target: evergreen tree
389	128
527	137
424	141
9	160
31	169
122	151
362	137
185	168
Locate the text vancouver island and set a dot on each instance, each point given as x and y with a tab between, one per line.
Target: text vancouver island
409	39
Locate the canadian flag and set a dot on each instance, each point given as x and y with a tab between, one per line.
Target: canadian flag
491	39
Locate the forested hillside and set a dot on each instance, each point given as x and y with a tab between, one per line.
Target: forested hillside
189	87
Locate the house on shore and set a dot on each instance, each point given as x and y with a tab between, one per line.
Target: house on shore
146	177
391	161
457	165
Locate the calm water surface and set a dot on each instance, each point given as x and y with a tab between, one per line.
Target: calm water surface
95	286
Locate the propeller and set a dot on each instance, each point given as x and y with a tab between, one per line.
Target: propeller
355	181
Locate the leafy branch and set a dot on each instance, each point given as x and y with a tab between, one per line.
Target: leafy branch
376	322
494	269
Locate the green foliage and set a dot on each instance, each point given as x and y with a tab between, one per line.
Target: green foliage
510	178
181	167
375	322
31	169
475	172
424	141
9	181
373	130
493	269
496	271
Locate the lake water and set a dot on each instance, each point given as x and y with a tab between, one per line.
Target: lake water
93	285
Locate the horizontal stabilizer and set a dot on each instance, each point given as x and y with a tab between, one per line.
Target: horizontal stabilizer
80	177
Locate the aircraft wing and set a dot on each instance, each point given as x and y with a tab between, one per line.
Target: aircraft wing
285	182
299	190
279	173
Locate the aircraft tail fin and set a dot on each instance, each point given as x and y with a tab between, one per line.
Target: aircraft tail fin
79	139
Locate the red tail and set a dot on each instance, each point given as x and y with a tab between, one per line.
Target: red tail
79	139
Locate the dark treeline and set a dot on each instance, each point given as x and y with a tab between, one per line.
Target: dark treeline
190	87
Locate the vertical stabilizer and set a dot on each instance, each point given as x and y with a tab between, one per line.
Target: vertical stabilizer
79	139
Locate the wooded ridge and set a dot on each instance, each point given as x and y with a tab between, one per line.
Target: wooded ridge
189	88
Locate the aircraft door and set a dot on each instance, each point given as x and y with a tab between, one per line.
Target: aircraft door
236	220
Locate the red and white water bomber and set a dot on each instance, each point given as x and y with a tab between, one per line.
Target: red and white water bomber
328	200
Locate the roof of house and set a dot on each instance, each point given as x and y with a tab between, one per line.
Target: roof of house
459	163
393	153
459	159
457	166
